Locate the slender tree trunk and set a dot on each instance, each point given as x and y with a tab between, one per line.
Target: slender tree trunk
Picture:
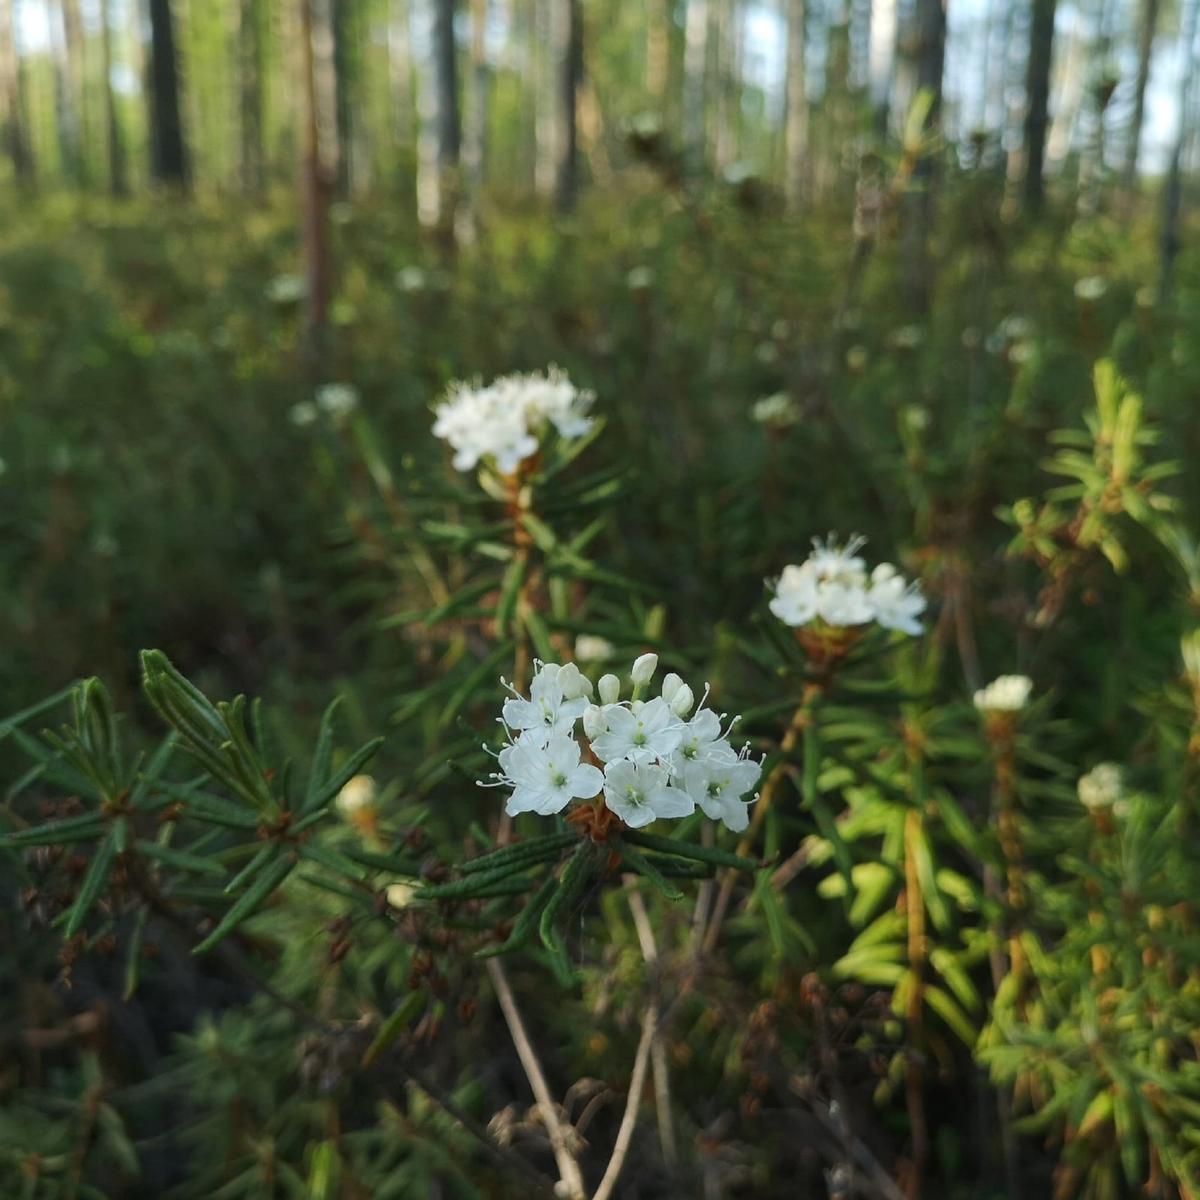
474	151
168	150
250	101
882	60
544	78
1173	191
344	70
1037	99
728	58
795	139
569	47
695	62
429	187
449	129
658	50
12	99
318	175
1149	24
76	76
927	46
400	72
117	182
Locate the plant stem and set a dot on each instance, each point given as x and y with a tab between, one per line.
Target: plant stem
914	1083
633	1102
568	1168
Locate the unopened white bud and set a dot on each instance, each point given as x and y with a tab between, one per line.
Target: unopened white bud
357	794
594	721
681	703
670	686
609	688
644	667
571	681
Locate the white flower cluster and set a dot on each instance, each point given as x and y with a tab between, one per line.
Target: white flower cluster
659	758
832	585
506	420
1006	694
1103	787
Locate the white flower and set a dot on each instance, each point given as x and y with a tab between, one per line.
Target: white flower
832	584
399	895
590	648
670	685
717	784
545	778
337	399
573	683
701	739
682	701
1102	787
779	409
287	289
638	792
644	667
639	732
505	420
609	688
896	602
411	279
547	713
358	793
1091	287
1007	693
304	413
639	279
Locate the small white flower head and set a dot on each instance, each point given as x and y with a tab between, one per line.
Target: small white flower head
287	289
590	648
718	783
546	778
357	795
644	667
411	279
832	585
548	712
337	400
670	685
609	689
640	279
1103	787
640	792
304	413
573	683
1005	694
778	410
505	422
652	731
1090	287
399	895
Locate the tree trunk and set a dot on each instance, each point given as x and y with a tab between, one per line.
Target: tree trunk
927	53
168	151
400	72
795	138
545	98
658	51
437	107
16	140
882	60
317	180
446	57
76	111
569	47
250	101
695	62
1149	25
474	151
118	184
1173	190
729	85
343	87
1037	99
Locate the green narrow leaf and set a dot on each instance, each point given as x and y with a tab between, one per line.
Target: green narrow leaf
321	755
526	923
249	901
534	849
642	866
195	863
410	1009
692	850
94	880
352	766
133	954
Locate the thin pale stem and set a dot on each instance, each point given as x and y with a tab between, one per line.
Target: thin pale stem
568	1168
633	1102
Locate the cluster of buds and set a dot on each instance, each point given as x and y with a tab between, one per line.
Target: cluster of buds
505	423
640	758
1000	702
1102	790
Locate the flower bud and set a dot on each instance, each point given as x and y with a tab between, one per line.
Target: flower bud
609	688
683	699
644	667
571	681
670	686
357	794
594	721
